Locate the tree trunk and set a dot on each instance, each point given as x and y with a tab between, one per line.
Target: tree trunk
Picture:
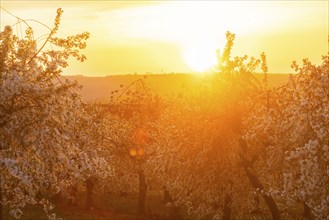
142	193
73	195
268	199
175	213
166	196
307	212
257	184
57	199
227	208
90	187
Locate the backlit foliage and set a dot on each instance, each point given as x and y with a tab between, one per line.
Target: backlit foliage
198	142
47	135
288	129
218	152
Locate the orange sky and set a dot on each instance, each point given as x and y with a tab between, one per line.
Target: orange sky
181	36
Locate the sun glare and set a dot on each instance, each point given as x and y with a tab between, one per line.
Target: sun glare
200	59
179	36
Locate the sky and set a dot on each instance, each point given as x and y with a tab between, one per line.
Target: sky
128	37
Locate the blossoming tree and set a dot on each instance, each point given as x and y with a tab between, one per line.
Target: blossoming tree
289	131
46	132
199	152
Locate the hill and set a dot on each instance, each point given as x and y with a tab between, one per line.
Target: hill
99	88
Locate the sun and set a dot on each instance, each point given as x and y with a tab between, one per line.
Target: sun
200	58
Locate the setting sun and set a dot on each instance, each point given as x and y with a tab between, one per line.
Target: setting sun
178	36
200	59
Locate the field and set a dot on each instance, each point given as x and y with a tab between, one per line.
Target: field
99	88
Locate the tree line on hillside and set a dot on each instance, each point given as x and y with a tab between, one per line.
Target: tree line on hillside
220	152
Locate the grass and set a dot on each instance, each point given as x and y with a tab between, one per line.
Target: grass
108	207
116	207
